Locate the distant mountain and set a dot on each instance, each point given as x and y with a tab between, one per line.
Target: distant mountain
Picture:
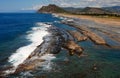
72	9
51	8
87	10
114	9
94	10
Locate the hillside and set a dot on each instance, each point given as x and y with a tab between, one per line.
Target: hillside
51	8
87	10
94	10
111	11
115	9
72	9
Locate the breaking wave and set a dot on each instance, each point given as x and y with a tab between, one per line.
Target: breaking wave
35	36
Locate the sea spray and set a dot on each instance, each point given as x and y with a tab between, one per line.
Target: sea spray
47	64
35	36
42	52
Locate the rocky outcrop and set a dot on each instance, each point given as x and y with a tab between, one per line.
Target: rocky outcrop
52	45
60	39
77	35
87	32
51	8
31	63
73	48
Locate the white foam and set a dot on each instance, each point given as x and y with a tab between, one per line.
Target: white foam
36	37
70	20
58	16
55	15
48	57
47	65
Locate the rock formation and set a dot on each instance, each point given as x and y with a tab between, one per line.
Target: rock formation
87	32
77	35
52	45
51	8
73	48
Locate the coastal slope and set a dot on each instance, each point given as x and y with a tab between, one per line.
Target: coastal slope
51	8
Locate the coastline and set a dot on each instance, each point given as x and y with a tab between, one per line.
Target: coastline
99	33
69	46
102	20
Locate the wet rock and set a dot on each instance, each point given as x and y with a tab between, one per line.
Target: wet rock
52	44
87	32
78	36
29	65
73	48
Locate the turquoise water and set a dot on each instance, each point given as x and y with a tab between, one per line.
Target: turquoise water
105	60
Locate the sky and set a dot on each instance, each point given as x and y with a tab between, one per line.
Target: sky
18	5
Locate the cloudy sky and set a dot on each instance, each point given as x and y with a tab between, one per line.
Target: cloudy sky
16	5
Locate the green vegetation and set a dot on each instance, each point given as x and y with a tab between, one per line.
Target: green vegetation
91	11
51	9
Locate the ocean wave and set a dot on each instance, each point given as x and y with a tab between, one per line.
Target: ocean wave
35	36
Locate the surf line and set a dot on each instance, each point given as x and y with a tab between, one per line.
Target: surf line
36	38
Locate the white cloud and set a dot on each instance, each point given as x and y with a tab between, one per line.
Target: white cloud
84	3
78	3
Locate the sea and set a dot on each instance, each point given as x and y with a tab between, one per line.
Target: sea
21	33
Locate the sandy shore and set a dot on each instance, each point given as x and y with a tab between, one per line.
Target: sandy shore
104	20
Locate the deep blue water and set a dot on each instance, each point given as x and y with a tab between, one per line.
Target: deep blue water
14	28
13	25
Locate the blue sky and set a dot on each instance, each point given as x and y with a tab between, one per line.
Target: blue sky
17	5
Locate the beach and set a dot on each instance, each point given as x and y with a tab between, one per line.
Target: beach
95	27
104	20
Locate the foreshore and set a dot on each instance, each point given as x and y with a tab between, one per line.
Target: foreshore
105	33
98	19
68	40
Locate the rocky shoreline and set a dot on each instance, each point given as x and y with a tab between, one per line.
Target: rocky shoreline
53	44
86	32
60	39
94	32
66	39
